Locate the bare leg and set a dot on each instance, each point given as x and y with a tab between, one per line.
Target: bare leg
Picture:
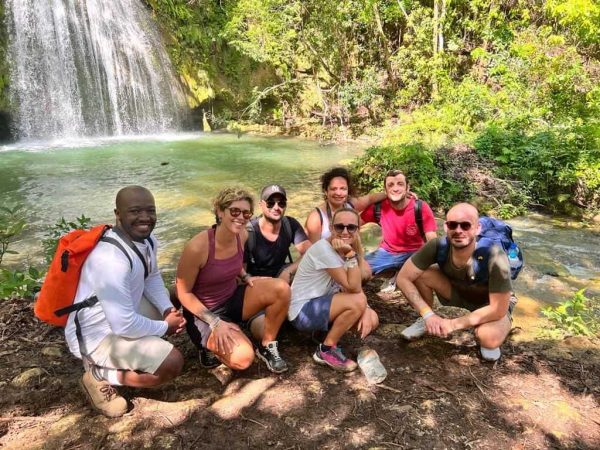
272	295
242	355
493	334
346	310
167	371
433	280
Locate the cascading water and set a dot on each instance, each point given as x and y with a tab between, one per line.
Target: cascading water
89	68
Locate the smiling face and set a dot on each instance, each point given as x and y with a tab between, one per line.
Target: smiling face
136	212
396	188
276	211
232	217
337	192
459	217
342	224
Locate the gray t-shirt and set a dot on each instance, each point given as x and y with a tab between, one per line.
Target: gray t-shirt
311	279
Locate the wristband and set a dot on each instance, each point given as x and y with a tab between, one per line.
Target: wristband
424	310
428	314
350	263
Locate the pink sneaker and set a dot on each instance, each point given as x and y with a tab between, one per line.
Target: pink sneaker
334	358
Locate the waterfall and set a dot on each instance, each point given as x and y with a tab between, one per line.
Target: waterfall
89	68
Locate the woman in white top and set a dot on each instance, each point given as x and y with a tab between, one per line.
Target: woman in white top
327	294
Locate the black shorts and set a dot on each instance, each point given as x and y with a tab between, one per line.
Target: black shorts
230	311
460	302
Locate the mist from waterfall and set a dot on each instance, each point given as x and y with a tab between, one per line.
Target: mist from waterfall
89	68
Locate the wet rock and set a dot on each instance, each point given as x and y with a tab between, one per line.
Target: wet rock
53	352
28	378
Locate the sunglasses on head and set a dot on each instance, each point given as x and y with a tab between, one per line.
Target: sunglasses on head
453	225
271	203
339	227
246	213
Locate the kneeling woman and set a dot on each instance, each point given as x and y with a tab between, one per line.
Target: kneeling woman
327	293
207	287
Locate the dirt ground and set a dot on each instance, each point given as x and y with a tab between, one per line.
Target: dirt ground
438	395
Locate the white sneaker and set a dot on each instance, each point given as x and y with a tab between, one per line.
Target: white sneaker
415	331
389	286
490	354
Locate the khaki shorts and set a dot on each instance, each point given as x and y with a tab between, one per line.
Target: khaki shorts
144	354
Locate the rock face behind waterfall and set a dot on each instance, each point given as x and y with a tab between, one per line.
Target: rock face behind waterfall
89	68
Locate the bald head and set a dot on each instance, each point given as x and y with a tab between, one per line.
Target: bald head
135	212
463	210
126	194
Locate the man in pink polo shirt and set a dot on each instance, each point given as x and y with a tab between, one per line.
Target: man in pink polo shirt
399	218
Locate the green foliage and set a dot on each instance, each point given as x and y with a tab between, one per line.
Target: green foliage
19	283
15	283
59	229
12	223
579	315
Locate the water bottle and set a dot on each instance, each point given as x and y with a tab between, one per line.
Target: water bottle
513	256
368	361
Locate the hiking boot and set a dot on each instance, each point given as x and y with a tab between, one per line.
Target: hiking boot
208	359
334	358
415	331
103	397
389	285
270	355
490	354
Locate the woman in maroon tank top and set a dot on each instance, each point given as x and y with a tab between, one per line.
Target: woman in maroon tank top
207	286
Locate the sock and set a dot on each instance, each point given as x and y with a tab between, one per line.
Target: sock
325	348
107	374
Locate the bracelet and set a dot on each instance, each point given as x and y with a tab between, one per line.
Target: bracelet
245	277
350	263
424	310
346	257
214	323
428	314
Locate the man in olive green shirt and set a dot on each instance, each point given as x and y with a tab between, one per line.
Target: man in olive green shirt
489	301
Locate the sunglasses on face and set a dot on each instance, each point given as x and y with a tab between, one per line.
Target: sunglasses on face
339	227
453	225
271	203
246	213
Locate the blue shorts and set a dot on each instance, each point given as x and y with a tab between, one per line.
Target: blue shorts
314	315
381	260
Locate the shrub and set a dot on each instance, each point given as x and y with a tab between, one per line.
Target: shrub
577	316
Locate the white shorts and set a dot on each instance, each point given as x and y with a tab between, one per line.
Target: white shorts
144	354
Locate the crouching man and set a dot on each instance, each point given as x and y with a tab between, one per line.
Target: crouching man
119	337
480	284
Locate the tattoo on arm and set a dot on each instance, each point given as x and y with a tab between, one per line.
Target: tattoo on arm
207	316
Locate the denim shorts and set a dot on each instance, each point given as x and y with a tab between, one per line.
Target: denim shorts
314	315
381	260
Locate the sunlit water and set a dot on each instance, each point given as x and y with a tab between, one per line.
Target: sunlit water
70	178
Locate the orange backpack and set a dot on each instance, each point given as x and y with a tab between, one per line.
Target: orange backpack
55	301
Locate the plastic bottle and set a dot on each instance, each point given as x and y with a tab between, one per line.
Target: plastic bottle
513	255
368	361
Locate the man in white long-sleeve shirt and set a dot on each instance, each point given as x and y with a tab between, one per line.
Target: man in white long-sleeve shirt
119	337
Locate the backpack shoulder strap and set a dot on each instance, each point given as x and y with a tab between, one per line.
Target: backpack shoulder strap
443	250
320	215
377	212
419	218
131	245
287	228
251	241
